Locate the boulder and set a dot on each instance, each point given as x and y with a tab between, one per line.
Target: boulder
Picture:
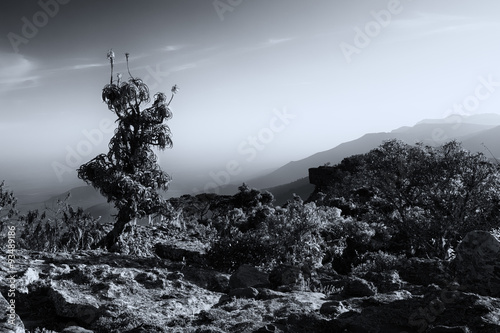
248	276
477	263
287	277
70	302
357	287
8	316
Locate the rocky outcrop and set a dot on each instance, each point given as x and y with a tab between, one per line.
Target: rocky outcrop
477	263
94	291
321	176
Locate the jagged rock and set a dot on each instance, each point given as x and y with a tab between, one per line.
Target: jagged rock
71	303
287	277
181	251
8	316
477	263
248	276
357	287
244	293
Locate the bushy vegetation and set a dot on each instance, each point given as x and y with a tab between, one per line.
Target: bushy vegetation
430	197
265	236
59	228
62	228
394	202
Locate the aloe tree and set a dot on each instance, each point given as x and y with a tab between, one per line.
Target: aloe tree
128	175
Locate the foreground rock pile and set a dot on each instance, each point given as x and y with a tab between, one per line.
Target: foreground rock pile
173	291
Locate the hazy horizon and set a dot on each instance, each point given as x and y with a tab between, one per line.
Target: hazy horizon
262	83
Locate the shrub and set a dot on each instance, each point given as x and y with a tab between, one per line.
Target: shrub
431	197
266	236
61	229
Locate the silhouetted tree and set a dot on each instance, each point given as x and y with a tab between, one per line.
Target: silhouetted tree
128	175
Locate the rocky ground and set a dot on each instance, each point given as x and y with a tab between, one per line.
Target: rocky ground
167	287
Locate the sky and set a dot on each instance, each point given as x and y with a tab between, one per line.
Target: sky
262	82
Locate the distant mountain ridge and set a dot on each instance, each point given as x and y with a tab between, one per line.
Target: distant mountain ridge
472	131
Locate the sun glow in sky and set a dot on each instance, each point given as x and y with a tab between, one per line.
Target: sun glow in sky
261	82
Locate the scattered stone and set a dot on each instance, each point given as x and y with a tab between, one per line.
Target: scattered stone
248	276
357	287
7	316
477	263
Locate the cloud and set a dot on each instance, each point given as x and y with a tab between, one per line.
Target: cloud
86	66
171	48
183	67
275	41
427	24
16	72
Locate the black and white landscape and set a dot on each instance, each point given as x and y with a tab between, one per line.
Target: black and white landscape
249	166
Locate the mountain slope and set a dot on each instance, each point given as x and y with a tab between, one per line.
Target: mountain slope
428	132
